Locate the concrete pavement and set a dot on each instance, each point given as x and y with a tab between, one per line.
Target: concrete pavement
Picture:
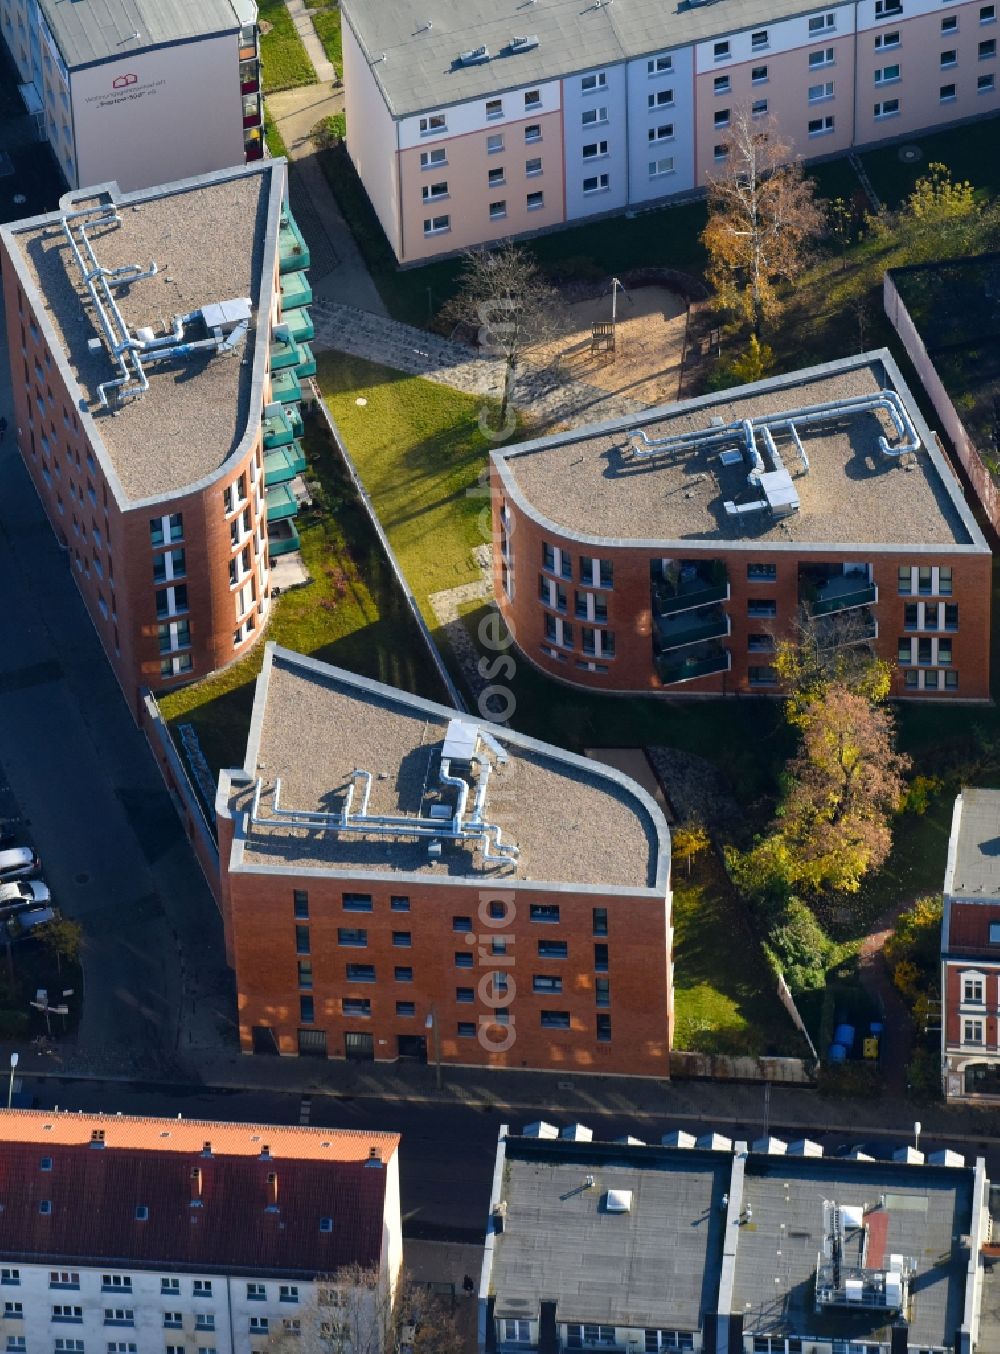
302	20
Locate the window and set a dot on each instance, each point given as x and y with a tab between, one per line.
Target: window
720	51
398	902
117	1346
904	580
532	168
546	982
173	1320
466	1029
944	581
465	994
9	1277
515	1329
495	177
949	24
69	1346
357	902
405	1008
988	14
824	57
988	50
360	973
494	108
402	940
434	122
721	84
17	1344
985	83
887	75
603	1029
60	1312
597	183
822	23
119	1316
170	565
659	65
460	923
498	209
883	40
356	1006
591	82
886	9
259	1325
762	606
664	98
257	1292
436	225
948	93
15	1311
532	100
949	58
346	935
403	973
112	1282
820	126
64	1278
721	118
546	912
555	1020
758	75
431	191
595	149
45	1206
665	132
305	974
758	108
288	1292
972	990
431	159
463	959
758	40
720	152
600	921
972	1031
535	201
532	132
494	143
166	530
602	991
300	904
302	940
817	93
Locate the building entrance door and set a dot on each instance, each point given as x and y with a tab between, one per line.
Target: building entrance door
359	1047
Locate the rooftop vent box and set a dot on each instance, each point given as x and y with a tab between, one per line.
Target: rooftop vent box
853	1217
442	813
854	1288
475	57
618	1201
524	43
227	314
460	741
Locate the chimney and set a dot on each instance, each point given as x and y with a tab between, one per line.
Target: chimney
195	1186
265	1153
272	1191
374	1158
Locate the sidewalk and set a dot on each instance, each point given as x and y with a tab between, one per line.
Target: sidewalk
302	20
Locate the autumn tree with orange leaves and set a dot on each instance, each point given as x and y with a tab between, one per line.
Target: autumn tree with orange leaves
762	217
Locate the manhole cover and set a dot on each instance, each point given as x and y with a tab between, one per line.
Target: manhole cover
81	879
910	154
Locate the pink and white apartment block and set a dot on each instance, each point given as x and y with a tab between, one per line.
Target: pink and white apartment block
476	120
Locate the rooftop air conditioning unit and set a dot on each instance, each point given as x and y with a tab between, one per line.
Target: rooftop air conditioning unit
524	43
475	57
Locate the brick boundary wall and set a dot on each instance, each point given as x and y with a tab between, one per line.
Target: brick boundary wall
727	1067
972	463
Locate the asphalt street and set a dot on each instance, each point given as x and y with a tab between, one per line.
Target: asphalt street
447	1153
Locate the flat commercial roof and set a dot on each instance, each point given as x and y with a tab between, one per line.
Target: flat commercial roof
976	846
573	821
90	31
656	1265
414	45
208	237
584	484
929	1211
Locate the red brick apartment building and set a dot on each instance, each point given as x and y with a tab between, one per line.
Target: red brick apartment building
399	881
668	551
151	383
970	951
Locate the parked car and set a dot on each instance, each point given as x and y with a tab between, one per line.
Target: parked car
18	861
15	897
23	923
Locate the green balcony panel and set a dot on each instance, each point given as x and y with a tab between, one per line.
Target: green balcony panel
293	252
306	366
285	387
697	592
282	537
281	503
295	418
283	464
689	627
277	429
285	352
300	324
295	291
700	664
840	594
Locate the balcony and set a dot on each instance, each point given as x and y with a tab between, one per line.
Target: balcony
293	252
276	427
285	388
842	592
284	352
300	324
283	464
840	630
693	584
306	366
698	663
689	627
295	291
282	537
281	504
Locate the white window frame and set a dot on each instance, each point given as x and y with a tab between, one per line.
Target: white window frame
662	168
974	977
822	23
825	128
427	160
827	57
657	135
886	108
820	93
594	117
594	83
885	42
882	77
432	124
601	184
436	225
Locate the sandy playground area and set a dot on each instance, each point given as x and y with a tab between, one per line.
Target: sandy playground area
649	344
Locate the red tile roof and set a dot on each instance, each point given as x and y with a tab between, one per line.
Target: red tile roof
238	1225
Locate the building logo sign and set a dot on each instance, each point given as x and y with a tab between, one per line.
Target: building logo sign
125	89
123	81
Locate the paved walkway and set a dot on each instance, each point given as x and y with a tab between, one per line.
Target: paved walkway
546	396
897	1037
302	20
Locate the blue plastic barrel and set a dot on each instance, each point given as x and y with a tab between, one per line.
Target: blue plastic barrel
837	1053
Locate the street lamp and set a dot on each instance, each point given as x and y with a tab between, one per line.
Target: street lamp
431	1023
916	1135
10	1089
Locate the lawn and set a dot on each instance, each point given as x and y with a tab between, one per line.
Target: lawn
970	152
275	141
351	614
326	21
724	1000
283	56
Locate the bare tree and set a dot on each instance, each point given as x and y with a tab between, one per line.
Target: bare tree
762	216
354	1312
503	293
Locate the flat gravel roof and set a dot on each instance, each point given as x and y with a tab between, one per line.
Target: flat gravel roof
584	483
573	821
207	240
